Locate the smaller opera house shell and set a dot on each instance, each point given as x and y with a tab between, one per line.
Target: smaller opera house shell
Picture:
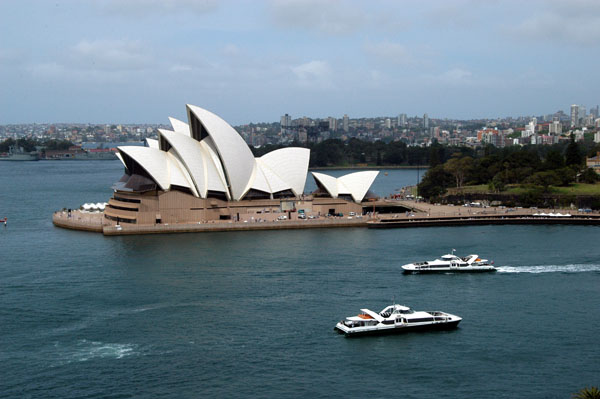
204	171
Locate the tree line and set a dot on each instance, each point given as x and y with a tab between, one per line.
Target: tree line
536	166
354	152
29	144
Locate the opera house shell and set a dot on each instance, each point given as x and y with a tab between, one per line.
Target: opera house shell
203	170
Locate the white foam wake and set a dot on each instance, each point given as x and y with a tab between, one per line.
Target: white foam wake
550	268
86	350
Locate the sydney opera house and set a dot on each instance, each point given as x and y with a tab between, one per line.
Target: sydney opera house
203	171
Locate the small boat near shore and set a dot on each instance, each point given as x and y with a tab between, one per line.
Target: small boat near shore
395	319
451	263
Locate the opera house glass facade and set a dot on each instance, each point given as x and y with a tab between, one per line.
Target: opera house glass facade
203	171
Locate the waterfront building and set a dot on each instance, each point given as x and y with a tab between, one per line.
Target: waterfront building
204	171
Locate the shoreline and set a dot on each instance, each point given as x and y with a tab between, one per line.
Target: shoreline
421	215
369	167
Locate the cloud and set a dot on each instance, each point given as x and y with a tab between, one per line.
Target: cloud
231	50
330	17
96	62
456	75
47	70
134	8
314	74
573	21
11	56
389	52
181	68
461	14
111	55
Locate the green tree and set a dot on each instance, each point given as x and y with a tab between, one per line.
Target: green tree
5	145
566	176
435	182
459	168
545	180
27	144
589	176
554	160
434	154
573	155
497	183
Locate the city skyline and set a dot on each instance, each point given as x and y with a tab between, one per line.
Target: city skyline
128	62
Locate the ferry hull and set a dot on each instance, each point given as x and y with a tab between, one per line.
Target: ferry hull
451	325
453	270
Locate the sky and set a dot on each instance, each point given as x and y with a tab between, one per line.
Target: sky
141	61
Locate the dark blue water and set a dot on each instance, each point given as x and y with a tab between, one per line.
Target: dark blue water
251	314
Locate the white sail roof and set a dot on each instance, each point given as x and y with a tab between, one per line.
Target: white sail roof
178	173
215	176
289	165
152	143
236	158
354	184
357	184
179	126
208	155
190	154
161	165
118	154
329	183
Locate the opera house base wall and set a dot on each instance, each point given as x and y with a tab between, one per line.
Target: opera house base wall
176	207
232	226
176	212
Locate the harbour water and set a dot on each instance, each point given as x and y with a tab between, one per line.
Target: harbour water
251	314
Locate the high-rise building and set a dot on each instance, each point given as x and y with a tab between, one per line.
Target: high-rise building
346	123
574	115
332	124
402	120
425	121
555	127
388	123
286	123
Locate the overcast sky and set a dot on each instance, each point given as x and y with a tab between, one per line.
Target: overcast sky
128	61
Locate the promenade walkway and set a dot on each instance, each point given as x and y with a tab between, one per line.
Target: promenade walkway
422	215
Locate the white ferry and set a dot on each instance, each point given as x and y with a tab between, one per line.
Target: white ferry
395	319
451	263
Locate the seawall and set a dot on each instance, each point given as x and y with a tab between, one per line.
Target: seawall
94	222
